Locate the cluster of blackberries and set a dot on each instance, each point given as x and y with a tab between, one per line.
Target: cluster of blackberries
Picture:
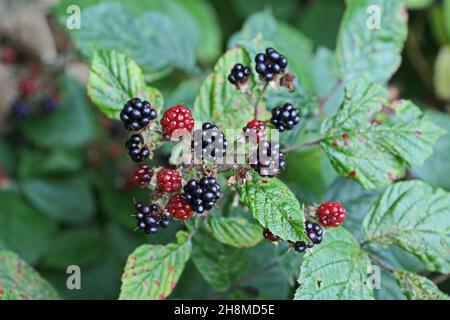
202	194
268	160
136	149
285	117
150	218
270	63
209	142
239	74
137	114
314	232
22	109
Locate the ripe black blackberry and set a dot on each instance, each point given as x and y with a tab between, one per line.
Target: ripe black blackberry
239	74
136	149
20	109
49	104
285	117
209	142
314	232
270	63
202	194
149	218
137	114
268	160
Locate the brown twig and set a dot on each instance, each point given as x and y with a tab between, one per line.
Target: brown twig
301	146
325	99
258	101
380	262
441	278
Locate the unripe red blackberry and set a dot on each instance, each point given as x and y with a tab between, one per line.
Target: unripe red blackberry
257	128
142	175
331	214
270	236
177	118
179	207
168	180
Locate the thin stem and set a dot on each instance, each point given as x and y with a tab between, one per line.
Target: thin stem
441	278
325	99
301	146
261	95
380	262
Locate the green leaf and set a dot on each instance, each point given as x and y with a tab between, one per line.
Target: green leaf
71	125
114	79
441	76
437	168
18	281
153	39
309	174
415	217
68	200
22	228
335	270
7	160
329	13
54	162
418	4
371	153
220	265
210	36
218	100
327	83
152	271
373	53
236	232
275	207
80	246
416	287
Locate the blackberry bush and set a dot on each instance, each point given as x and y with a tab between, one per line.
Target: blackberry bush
335	170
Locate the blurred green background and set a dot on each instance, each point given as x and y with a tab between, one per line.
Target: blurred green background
65	191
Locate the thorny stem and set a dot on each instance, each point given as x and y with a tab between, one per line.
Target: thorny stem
261	95
301	146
